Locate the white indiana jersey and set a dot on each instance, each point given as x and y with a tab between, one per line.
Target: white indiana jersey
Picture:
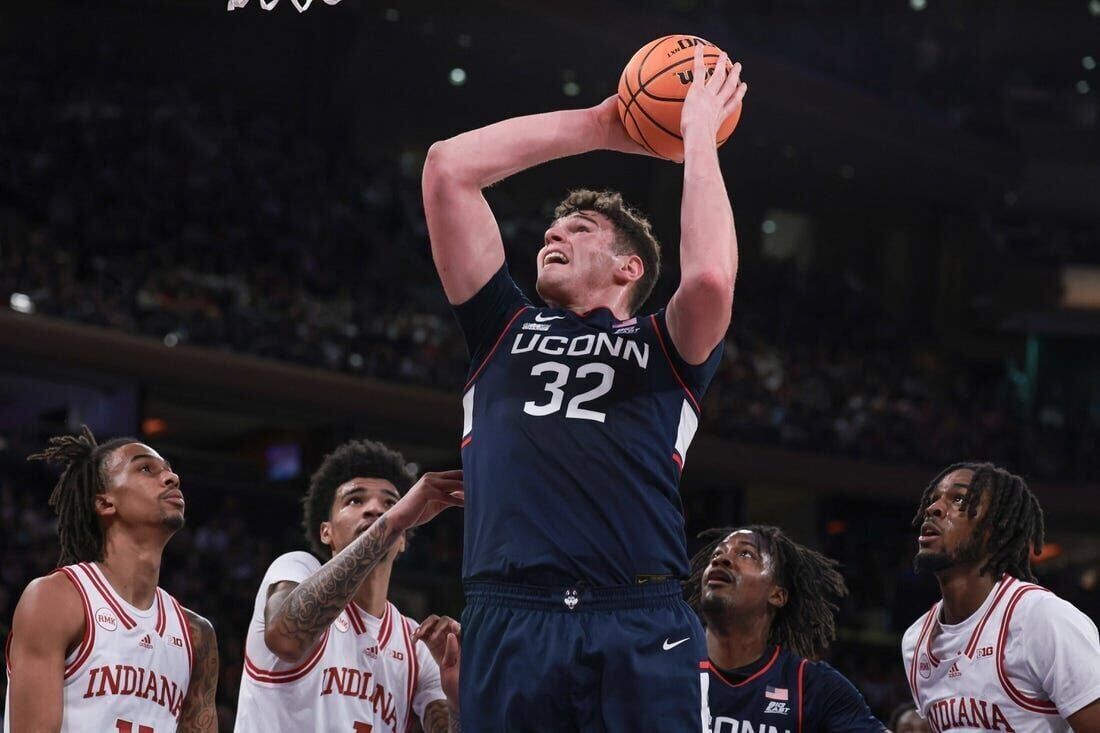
131	669
1024	661
366	674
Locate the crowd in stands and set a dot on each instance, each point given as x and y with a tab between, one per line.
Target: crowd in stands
149	209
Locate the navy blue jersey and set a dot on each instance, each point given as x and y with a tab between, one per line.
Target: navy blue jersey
785	693
575	433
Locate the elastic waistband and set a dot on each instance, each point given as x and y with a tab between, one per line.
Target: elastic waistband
574	598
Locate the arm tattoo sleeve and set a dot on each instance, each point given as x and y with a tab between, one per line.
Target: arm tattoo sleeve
317	601
200	710
436	717
455	721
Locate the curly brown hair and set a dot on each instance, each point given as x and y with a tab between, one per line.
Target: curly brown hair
635	235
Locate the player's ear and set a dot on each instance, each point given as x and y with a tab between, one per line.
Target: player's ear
325	531
778	597
105	505
403	543
630	269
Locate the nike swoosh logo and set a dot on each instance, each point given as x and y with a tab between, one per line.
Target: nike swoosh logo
672	645
539	317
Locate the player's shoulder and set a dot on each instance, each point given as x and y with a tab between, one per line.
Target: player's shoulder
909	638
199	625
1031	605
295	559
821	672
51	604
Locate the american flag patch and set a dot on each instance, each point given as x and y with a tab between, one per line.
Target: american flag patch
775	693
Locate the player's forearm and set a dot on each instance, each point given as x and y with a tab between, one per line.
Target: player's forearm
490	154
313	605
708	243
200	711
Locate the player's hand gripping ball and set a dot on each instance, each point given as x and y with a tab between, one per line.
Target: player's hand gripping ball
652	90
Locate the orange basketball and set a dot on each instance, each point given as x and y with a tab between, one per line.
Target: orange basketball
652	90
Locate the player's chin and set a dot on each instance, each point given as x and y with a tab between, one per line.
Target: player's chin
553	284
174	521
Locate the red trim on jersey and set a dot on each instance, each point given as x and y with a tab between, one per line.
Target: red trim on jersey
466	441
385	629
713	670
801	669
108	593
928	619
410	682
678	460
186	628
1044	707
289	675
355	619
671	365
87	641
1007	581
162	617
494	349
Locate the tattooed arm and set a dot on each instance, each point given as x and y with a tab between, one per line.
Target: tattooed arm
441	635
200	711
297	615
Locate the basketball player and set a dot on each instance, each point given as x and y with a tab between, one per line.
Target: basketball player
326	650
578	417
997	652
96	645
768	604
906	719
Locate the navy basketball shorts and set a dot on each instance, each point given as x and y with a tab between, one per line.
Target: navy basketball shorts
586	659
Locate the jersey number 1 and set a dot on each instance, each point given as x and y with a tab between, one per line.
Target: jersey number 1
125	726
559	376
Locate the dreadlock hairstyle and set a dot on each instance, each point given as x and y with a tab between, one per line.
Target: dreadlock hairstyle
1014	519
364	458
73	498
806	623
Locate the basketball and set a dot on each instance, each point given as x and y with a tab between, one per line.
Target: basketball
652	90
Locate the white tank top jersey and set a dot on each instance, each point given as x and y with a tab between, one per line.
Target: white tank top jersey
1024	661
131	669
365	676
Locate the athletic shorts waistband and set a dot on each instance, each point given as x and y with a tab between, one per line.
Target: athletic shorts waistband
574	598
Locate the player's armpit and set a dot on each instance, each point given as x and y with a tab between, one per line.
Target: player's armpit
1087	719
200	710
48	622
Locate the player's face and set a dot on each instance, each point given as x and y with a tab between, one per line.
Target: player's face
740	577
357	504
578	257
910	722
947	537
143	489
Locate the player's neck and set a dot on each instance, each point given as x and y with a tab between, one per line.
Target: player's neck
374	591
737	642
132	569
612	300
964	590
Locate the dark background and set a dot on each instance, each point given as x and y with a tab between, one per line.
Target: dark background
211	237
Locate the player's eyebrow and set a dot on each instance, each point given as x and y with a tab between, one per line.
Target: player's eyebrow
579	215
360	489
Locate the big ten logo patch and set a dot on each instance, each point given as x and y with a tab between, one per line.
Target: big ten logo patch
106	620
399	656
176	641
985	651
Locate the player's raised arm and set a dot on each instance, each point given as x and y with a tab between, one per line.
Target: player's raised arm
200	710
297	615
466	242
48	621
699	312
